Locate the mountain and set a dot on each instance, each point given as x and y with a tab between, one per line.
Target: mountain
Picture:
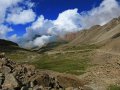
92	55
8	46
7	43
15	52
107	36
98	33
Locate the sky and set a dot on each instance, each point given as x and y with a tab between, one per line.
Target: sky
32	23
50	9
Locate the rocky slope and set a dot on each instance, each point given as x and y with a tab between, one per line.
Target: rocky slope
15	76
97	34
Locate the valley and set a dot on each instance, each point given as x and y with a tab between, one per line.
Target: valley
92	55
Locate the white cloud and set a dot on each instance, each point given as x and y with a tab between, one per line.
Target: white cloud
4	5
37	42
4	30
14	38
23	17
39	27
107	10
40	41
67	21
8	7
71	21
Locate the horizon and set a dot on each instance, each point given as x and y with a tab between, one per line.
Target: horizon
22	20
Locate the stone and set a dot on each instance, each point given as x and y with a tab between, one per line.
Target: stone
2	55
69	88
38	88
3	61
10	81
31	84
30	88
6	69
15	76
2	78
46	80
24	88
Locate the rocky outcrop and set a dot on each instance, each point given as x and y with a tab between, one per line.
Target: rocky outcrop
15	76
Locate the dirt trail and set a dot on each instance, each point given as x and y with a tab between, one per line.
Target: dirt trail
69	51
108	52
75	51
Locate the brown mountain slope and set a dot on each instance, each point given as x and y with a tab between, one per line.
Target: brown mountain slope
106	36
98	33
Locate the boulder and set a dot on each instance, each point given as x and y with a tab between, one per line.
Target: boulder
2	78
10	82
38	88
6	69
2	55
3	61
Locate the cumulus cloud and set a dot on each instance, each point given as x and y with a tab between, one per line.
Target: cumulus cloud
67	21
14	38
12	9
40	41
36	42
107	10
4	5
22	17
71	21
4	30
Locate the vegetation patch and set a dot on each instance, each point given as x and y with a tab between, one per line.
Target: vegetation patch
113	87
73	63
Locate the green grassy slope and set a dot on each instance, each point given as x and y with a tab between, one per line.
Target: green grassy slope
69	62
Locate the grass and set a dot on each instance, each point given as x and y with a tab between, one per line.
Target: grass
66	63
113	87
22	56
73	63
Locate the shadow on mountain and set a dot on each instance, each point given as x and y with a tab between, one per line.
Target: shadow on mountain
9	47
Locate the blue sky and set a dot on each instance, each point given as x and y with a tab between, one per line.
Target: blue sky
22	20
50	9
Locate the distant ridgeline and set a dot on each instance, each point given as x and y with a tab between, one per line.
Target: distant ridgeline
7	43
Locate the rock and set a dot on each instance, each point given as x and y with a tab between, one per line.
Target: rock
38	88
2	78
10	81
24	88
30	88
2	55
87	87
15	76
6	69
3	61
69	88
31	84
46	80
